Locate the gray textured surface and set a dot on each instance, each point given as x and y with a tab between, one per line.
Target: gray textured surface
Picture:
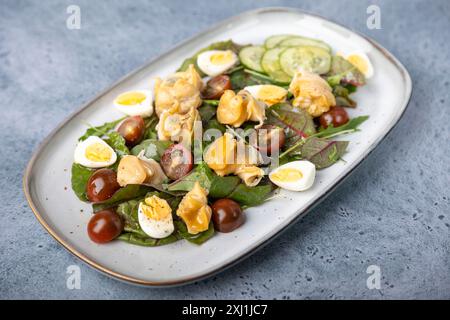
394	211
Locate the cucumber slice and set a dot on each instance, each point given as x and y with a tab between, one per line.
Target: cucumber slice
271	64
273	41
298	41
251	57
313	59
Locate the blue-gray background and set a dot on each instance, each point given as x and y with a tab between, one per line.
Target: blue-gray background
392	212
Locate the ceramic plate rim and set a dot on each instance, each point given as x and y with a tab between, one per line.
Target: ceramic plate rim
29	168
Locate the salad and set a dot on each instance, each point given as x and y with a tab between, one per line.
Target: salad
233	124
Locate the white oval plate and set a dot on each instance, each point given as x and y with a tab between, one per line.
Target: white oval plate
47	177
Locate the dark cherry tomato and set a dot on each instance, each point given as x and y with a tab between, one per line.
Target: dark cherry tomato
270	138
227	215
176	161
104	226
132	129
336	116
102	185
216	86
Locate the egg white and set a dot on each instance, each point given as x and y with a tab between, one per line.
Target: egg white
369	72
144	109
157	229
308	170
80	153
210	69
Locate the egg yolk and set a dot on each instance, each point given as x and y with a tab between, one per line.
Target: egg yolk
98	152
358	62
156	208
287	175
271	94
130	98
220	58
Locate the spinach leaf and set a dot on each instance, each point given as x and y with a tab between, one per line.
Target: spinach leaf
323	153
296	121
117	142
172	200
79	179
214	124
343	71
222	45
350	126
150	127
133	233
207	111
153	149
241	79
212	130
198	238
129	212
342	95
350	88
131	191
202	173
100	130
211	102
146	241
221	187
251	196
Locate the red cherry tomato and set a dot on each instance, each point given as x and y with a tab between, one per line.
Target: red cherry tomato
105	226
270	138
132	129
227	215
176	161
216	87
102	185
336	116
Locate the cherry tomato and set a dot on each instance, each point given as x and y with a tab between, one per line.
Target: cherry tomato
270	138
336	116
105	226
216	86
132	129
227	215
176	161
102	185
